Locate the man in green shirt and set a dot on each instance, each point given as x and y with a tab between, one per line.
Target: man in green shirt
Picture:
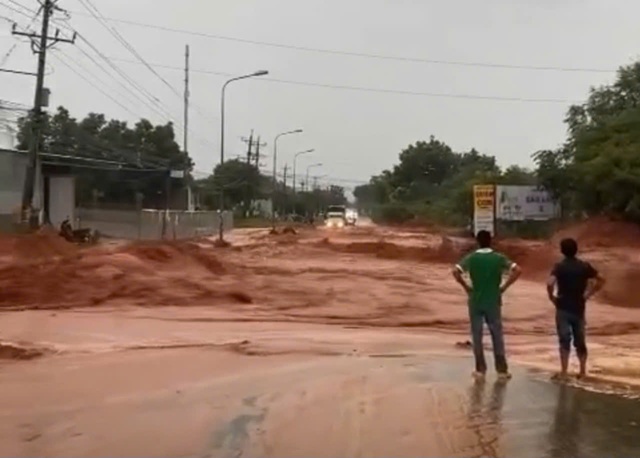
486	268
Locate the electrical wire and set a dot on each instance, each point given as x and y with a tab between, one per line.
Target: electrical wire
91	83
357	54
131	92
100	18
161	110
115	169
6	57
20	5
15	10
96	14
370	89
127	78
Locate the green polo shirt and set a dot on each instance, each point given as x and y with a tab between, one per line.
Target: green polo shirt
485	268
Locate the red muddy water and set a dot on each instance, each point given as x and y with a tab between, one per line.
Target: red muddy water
121	325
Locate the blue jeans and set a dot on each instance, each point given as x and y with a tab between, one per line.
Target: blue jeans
571	326
493	318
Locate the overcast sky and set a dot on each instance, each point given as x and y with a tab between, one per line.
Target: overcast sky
356	133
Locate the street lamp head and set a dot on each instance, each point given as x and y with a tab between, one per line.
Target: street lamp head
261	73
297	131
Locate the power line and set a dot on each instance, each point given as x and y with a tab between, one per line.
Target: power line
366	89
165	111
101	19
141	60
4	59
158	110
124	86
356	54
91	83
115	164
15	10
20	5
142	90
157	107
115	168
126	77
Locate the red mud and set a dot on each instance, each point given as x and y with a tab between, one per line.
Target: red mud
602	232
42	245
136	274
447	251
16	352
361	291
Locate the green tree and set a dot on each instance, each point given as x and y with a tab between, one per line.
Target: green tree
516	175
240	182
149	148
600	164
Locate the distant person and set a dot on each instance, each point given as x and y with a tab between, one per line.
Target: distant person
486	268
576	282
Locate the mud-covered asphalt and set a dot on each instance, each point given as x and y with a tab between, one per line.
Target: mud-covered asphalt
318	343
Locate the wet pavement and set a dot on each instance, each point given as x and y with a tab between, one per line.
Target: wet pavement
539	418
300	391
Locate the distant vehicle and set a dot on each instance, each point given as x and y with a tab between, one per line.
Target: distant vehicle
340	216
351	216
336	216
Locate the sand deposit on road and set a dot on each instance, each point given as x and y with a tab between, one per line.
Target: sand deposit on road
77	317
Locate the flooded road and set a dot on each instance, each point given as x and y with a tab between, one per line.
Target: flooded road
227	401
348	343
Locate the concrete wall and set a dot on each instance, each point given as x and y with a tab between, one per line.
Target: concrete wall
12	171
148	224
62	199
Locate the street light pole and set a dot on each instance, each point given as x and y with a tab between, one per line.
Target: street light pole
224	89
295	159
275	181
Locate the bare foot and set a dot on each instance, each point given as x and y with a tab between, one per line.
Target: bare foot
478	376
582	375
560	376
504	376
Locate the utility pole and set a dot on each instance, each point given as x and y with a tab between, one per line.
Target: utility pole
286	168
284	189
39	44
185	147
186	99
249	142
258	145
247	200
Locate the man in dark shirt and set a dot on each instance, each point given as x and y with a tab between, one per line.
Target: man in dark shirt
576	282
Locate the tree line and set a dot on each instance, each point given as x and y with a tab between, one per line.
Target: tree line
595	171
242	184
117	165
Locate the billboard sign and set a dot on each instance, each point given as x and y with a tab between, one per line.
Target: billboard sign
520	203
484	201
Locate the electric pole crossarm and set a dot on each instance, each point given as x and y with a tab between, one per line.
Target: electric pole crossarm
55	39
17	72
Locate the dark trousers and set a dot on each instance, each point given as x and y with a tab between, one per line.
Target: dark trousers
493	318
571	326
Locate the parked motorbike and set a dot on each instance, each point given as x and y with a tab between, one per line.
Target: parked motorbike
81	236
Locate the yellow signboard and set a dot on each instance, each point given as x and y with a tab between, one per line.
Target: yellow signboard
484	202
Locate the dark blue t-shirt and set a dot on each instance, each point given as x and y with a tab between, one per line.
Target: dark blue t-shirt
572	276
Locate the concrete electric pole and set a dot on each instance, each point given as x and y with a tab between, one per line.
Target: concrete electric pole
39	43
